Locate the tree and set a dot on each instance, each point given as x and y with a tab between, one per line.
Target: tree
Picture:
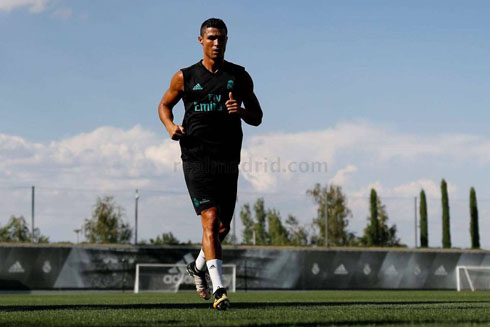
16	230
446	233
106	224
377	232
319	195
338	217
332	203
371	232
297	234
474	228
248	224
165	239
260	222
277	233
387	235
424	232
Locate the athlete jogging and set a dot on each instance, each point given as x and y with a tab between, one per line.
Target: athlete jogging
213	91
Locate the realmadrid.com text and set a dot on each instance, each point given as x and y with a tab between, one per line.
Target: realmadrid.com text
276	165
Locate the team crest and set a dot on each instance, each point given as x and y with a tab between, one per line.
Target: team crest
229	85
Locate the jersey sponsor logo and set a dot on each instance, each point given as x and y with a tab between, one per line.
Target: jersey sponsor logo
197	87
214	104
16	268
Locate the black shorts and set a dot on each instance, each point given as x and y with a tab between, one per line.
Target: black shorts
212	184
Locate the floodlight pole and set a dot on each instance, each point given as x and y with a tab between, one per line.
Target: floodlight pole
77	231
136	198
415	219
33	192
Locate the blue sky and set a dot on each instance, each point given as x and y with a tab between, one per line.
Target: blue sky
407	80
418	66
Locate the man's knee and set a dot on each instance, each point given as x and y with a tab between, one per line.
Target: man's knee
210	220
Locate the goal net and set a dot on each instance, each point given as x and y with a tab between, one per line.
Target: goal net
156	277
475	278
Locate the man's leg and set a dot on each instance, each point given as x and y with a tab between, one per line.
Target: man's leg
197	268
201	258
211	245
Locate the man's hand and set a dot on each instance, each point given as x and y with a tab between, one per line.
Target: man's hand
176	132
232	105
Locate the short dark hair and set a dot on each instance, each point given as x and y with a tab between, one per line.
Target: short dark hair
213	22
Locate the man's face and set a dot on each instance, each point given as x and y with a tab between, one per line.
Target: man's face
214	43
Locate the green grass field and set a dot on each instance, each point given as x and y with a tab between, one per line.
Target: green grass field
322	308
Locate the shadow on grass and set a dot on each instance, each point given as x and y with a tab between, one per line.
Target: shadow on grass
235	305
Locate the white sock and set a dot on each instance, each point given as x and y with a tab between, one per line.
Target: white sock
214	269
201	261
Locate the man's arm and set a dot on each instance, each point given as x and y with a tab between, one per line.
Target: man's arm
169	100
252	113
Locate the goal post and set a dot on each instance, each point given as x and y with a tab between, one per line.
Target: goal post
474	278
173	277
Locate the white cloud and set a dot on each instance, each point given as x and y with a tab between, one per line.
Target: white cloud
366	147
341	175
269	162
432	188
107	156
70	173
34	6
407	190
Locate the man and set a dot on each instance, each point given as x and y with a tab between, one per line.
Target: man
213	91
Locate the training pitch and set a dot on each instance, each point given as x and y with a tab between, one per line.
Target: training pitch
320	308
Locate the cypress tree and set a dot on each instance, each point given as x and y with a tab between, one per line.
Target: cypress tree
373	229
446	233
474	229
424	233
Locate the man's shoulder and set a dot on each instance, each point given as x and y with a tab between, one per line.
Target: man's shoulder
193	66
234	67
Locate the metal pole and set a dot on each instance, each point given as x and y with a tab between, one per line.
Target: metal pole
415	219
77	231
326	216
136	198
33	190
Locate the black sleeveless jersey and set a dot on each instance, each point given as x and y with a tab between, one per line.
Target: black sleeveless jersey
210	132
